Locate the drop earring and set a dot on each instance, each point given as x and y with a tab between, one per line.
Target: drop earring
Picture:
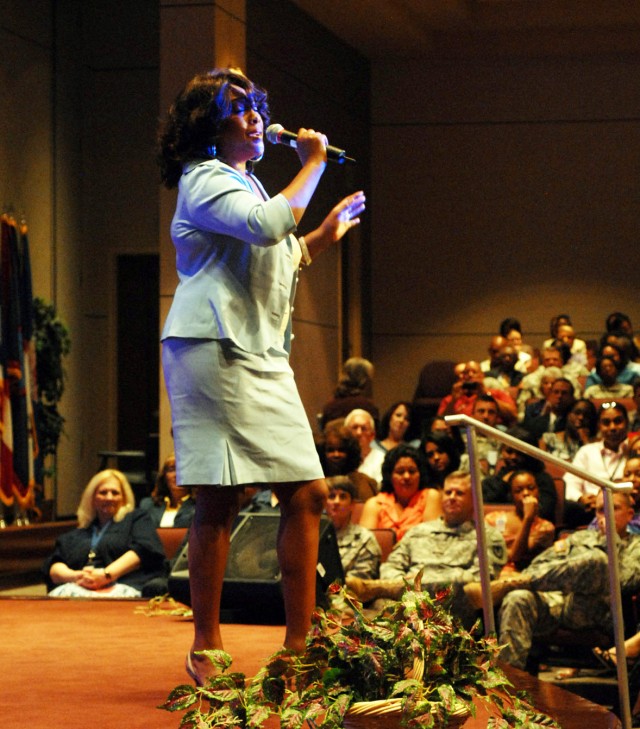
212	151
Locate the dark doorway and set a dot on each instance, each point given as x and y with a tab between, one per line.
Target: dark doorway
138	352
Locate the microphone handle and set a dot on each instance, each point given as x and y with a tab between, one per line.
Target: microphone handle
334	154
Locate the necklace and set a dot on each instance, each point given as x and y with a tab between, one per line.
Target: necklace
96	535
612	474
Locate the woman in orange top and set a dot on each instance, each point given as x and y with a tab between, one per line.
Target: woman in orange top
404	499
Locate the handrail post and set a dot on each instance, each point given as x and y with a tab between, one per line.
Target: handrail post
616	609
481	532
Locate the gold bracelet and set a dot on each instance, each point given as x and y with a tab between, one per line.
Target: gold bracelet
306	257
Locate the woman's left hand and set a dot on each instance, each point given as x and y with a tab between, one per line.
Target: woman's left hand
93	579
340	220
343	217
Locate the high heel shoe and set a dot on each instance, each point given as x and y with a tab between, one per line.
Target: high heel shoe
191	671
190	668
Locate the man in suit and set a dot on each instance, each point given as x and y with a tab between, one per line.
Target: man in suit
554	417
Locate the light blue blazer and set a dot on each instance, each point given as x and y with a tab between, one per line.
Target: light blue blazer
235	259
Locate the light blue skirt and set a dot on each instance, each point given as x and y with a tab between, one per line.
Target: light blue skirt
237	417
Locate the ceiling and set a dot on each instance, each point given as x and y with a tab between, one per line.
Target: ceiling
480	28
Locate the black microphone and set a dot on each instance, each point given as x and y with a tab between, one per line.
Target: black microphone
277	134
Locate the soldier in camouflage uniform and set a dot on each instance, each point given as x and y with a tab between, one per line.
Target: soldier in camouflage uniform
569	584
445	549
360	552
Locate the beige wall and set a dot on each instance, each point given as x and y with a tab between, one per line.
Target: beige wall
316	82
77	159
500	189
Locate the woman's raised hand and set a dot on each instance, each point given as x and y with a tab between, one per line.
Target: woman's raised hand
344	216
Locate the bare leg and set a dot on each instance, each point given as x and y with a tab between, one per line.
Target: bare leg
301	507
216	509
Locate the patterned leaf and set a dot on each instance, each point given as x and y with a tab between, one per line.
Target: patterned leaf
181	698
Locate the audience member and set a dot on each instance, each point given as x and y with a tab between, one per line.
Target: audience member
363	427
495	346
485	409
562	329
441	457
353	391
554	416
505	372
577	347
445	549
458	370
114	550
556	321
404	499
581	428
534	391
555	355
438	424
627	371
604	459
634	418
360	552
619	322
340	456
569	585
608	370
496	488
394	425
631	473
464	393
511	330
169	505
525	533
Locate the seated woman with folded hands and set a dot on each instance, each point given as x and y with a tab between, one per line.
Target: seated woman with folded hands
115	549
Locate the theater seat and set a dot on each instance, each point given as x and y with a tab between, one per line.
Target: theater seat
171	538
358	506
386	539
434	382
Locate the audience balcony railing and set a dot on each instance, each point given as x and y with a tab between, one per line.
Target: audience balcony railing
472	426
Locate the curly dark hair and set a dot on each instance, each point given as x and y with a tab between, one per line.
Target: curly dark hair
389	463
349	444
197	117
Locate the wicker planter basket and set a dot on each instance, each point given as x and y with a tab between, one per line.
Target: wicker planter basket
386	715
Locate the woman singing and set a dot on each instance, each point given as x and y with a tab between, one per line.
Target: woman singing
236	413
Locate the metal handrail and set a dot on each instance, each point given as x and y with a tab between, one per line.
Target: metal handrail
608	487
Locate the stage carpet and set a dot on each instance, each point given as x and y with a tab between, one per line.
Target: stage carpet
71	664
